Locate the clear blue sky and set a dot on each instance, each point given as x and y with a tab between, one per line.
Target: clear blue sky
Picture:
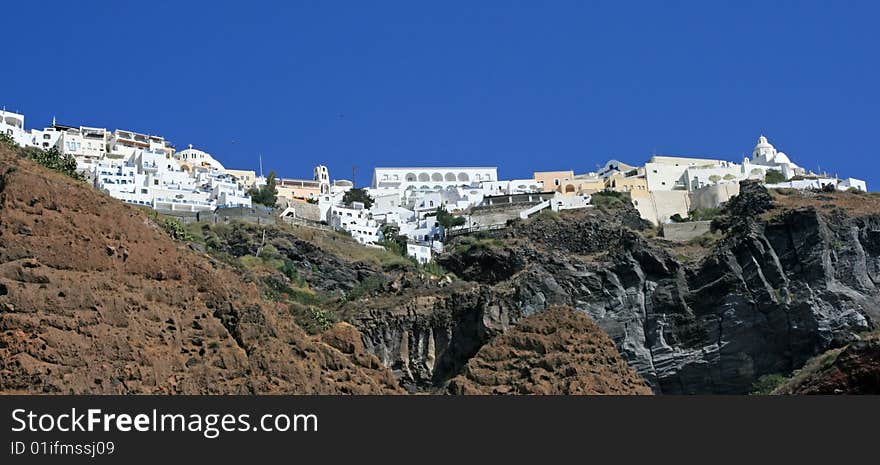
523	85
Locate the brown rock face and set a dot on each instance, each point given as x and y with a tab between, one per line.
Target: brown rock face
853	369
94	298
557	351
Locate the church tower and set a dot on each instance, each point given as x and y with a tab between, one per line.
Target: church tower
764	153
322	175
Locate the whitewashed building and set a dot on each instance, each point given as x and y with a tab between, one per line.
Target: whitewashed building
357	221
764	154
12	124
432	177
193	158
421	252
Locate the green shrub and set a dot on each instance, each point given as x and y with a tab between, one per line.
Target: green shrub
313	319
448	220
174	228
433	268
774	177
323	318
287	267
6	141
703	240
368	285
547	214
357	195
767	383
704	214
610	199
266	194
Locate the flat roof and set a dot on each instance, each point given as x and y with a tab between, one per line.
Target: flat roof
439	168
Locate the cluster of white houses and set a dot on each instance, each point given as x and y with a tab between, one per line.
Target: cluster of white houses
145	169
137	168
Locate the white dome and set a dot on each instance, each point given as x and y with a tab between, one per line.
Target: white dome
763	144
781	158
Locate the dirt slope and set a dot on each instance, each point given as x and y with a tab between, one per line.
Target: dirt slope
557	351
94	298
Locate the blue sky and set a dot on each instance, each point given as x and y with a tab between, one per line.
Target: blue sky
523	85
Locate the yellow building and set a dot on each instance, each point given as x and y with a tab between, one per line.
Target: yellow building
298	189
585	184
618	182
553	180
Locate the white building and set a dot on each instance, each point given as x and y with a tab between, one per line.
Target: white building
46	138
123	144
515	186
561	202
421	252
664	173
425	230
818	183
432	177
764	154
12	124
357	221
193	158
852	183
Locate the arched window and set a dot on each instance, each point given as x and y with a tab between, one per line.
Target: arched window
410	176
424	177
450	177
463	177
436	177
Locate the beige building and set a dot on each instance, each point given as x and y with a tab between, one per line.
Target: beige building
247	178
618	182
553	180
307	189
566	182
301	189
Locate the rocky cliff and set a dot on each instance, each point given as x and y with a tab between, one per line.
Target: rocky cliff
779	283
557	351
95	298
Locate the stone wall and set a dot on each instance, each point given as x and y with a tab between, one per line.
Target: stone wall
258	215
713	196
496	214
657	207
683	232
306	211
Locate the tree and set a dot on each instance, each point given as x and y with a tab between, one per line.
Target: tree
392	240
448	220
357	195
714	178
729	177
266	194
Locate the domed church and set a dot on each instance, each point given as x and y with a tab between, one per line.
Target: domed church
765	154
